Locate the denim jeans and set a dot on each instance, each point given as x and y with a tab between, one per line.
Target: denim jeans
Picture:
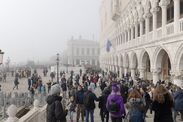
89	113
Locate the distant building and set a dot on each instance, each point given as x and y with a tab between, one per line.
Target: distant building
83	52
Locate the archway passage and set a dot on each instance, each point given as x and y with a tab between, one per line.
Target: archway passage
146	64
163	64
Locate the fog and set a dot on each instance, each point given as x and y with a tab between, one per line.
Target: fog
38	29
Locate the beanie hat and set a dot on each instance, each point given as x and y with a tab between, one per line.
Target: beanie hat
55	89
115	88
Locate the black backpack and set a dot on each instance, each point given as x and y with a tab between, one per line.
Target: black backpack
113	107
87	100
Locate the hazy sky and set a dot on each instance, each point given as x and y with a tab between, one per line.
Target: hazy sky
38	29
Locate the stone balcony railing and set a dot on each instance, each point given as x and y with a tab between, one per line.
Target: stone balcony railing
150	38
36	114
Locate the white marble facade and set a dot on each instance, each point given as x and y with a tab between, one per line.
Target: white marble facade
83	52
146	37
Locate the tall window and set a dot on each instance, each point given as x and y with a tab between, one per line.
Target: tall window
170	12
181	9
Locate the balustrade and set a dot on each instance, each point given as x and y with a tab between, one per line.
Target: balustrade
170	28
181	24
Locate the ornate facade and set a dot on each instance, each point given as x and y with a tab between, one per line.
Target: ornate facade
146	37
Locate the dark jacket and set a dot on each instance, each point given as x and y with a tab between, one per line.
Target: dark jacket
178	98
80	97
90	105
163	111
55	111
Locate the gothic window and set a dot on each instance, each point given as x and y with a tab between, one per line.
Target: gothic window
170	12
93	51
138	30
83	51
181	8
88	51
144	28
151	24
77	51
159	18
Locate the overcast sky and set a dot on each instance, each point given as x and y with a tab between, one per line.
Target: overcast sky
38	29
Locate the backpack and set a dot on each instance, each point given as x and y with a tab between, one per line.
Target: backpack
87	100
113	107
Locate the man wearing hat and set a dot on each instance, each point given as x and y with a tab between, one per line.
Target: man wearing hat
55	111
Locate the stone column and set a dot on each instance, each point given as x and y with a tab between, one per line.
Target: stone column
176	15
141	27
147	23
125	70
156	77
133	73
142	73
120	71
164	18
154	13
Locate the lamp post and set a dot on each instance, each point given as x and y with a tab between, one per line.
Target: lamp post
58	67
1	57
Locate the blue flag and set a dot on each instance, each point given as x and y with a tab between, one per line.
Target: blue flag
108	46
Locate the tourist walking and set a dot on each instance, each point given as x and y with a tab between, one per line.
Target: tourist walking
115	104
80	103
16	82
135	106
162	105
104	113
71	108
89	103
178	103
55	111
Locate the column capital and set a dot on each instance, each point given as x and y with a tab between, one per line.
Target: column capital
154	10
147	15
164	3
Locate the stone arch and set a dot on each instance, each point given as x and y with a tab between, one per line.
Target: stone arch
179	60
162	63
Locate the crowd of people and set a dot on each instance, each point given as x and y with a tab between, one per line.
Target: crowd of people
120	99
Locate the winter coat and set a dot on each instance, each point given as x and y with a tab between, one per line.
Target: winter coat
119	100
136	109
55	111
178	99
80	97
90	104
163	111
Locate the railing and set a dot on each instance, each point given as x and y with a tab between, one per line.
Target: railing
159	33
181	24
36	114
150	36
170	28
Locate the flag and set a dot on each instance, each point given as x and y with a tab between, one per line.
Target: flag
108	46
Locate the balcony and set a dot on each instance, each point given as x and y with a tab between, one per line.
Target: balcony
154	36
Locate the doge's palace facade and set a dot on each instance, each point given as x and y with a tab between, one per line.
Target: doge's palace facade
146	38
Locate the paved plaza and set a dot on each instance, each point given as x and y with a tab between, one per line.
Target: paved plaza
8	87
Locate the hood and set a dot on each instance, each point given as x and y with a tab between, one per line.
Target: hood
50	99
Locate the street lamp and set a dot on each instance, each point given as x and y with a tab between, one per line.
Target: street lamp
58	67
1	57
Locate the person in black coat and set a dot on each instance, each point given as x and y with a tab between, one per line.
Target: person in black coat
162	105
104	113
54	110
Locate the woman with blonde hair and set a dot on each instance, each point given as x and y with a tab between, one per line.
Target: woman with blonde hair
162	105
135	106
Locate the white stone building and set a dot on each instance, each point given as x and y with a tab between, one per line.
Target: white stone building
83	52
146	37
